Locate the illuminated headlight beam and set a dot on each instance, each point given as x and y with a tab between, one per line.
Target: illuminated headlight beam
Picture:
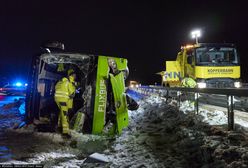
237	84
201	85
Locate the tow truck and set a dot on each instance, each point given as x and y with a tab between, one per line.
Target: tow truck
211	65
100	95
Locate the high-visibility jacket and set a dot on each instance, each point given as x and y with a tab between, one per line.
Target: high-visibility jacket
64	90
60	68
70	71
188	82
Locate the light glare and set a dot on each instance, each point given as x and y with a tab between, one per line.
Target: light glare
237	84
18	84
196	33
201	85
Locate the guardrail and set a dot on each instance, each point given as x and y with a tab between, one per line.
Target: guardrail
245	85
229	92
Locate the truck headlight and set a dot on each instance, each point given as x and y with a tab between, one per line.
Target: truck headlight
237	84
201	85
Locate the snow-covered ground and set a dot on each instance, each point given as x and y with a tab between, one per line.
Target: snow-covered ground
158	135
214	115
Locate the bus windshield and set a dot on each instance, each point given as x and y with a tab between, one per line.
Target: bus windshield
216	56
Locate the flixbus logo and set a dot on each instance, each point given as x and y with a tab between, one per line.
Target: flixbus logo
172	75
102	96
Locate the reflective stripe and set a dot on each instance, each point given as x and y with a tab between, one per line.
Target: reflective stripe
66	84
58	95
63	92
59	91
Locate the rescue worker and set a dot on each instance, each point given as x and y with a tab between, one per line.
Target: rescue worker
60	68
188	82
64	94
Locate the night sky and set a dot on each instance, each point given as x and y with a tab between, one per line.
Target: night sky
147	33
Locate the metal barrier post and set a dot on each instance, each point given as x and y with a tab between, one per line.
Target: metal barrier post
230	113
196	103
167	95
178	98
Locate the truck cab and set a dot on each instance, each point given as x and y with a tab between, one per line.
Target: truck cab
211	65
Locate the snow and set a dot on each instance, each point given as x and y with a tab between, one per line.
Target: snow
99	157
158	135
41	157
144	143
22	108
215	117
75	163
9	113
4	100
174	134
243	123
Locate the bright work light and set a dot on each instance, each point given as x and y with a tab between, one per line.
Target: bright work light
196	34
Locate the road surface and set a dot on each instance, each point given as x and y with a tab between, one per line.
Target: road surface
7	118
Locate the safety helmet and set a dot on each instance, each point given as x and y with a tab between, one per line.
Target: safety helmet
70	72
